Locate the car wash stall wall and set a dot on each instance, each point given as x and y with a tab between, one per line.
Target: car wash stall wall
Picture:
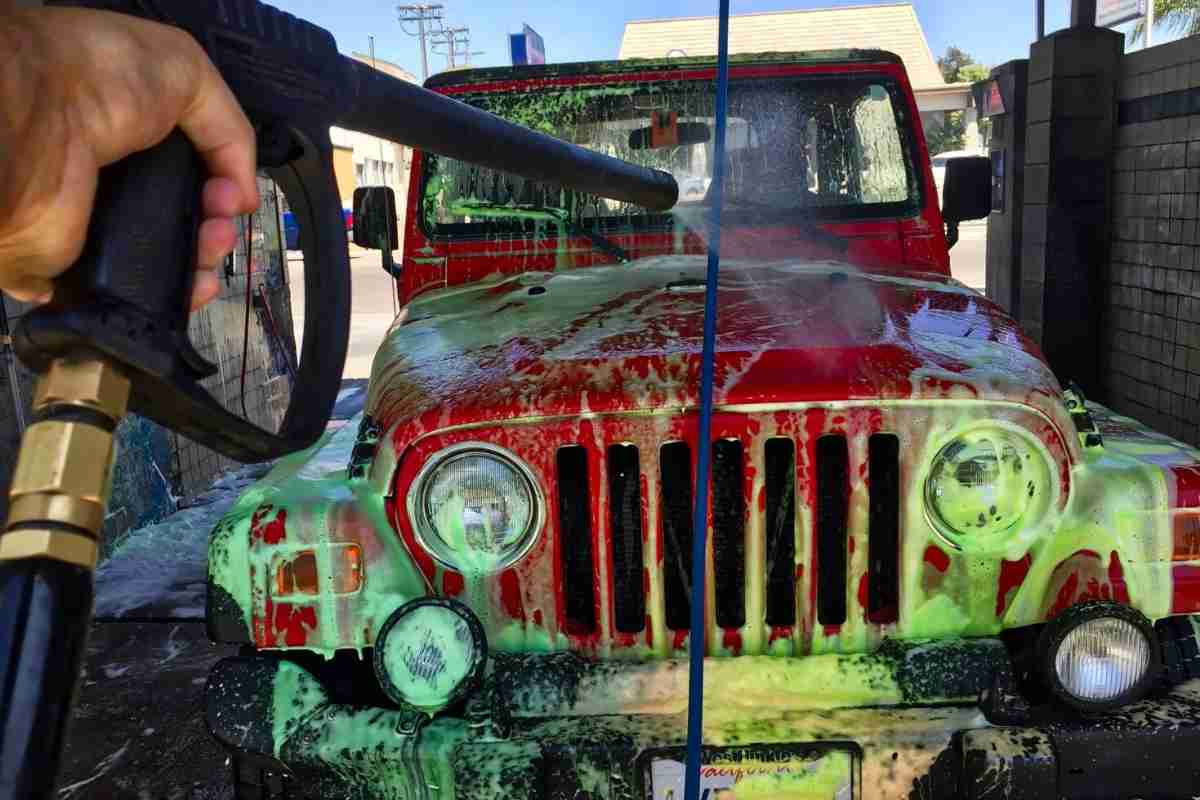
1108	275
157	470
1150	348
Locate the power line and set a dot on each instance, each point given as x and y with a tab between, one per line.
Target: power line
457	44
421	13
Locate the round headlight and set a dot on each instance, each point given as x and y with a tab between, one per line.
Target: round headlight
985	483
1100	656
429	653
476	508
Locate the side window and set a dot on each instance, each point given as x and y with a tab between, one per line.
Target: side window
879	156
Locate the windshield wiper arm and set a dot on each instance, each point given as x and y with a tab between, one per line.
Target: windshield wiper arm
597	240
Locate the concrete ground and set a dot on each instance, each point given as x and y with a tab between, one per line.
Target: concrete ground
372	306
968	257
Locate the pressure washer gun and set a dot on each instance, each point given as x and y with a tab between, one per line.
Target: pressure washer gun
114	339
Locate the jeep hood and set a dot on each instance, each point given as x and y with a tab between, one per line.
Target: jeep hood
629	337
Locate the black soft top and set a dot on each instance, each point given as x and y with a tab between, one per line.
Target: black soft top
465	77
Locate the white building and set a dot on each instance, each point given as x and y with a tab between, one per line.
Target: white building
892	26
363	160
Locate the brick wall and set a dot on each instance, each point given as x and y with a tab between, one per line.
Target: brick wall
1151	312
156	468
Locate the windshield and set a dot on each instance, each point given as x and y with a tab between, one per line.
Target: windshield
797	149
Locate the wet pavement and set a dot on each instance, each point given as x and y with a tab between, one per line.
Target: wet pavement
139	730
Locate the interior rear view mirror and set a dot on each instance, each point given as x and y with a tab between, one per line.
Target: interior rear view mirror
684	133
966	192
375	218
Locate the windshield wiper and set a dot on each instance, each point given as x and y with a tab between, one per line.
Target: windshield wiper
598	241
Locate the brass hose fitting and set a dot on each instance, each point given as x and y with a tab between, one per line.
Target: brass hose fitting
63	475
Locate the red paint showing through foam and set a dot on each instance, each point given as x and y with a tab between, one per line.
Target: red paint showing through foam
1012	575
510	595
936	557
294	623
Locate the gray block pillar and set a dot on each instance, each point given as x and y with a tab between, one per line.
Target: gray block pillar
1071	117
1007	151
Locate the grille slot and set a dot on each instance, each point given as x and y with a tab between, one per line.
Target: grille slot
883	566
625	524
729	533
833	495
676	458
779	456
575	540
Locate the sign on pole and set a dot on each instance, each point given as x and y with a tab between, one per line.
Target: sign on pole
1115	12
527	47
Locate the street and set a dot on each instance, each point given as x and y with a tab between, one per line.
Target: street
968	257
372	306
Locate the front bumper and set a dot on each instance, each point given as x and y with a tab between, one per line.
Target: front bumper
541	732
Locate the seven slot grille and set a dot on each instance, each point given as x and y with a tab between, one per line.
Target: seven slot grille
756	563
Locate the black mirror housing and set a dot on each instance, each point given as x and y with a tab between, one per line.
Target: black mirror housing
967	192
375	218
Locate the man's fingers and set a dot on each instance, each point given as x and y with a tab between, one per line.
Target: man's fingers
215	123
31	290
216	239
206	287
221	198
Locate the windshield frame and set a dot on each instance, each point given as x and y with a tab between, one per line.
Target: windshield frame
891	77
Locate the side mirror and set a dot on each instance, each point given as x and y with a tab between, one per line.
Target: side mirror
375	218
966	192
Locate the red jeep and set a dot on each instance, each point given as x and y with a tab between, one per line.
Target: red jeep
932	571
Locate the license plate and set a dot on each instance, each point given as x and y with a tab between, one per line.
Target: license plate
817	773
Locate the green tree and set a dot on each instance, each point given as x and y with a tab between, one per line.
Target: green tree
1177	16
969	73
952	62
957	67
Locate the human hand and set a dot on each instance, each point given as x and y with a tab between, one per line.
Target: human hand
82	89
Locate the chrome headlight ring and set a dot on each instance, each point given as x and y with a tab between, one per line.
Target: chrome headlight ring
462	519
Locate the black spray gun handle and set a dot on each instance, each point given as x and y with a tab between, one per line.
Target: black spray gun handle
128	296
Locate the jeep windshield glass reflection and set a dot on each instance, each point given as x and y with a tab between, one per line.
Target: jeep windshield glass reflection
827	149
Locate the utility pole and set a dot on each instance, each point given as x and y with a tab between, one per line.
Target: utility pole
382	170
420	13
457	42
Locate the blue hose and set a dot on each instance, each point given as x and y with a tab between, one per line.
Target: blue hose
698	637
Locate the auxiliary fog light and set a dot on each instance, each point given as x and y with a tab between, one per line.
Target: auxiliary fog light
1099	656
430	653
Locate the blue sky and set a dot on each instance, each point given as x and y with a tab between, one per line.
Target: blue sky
576	30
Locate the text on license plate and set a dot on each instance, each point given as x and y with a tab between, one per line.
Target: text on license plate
821	775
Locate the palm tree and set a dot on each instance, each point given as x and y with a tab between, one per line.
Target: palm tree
1177	16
